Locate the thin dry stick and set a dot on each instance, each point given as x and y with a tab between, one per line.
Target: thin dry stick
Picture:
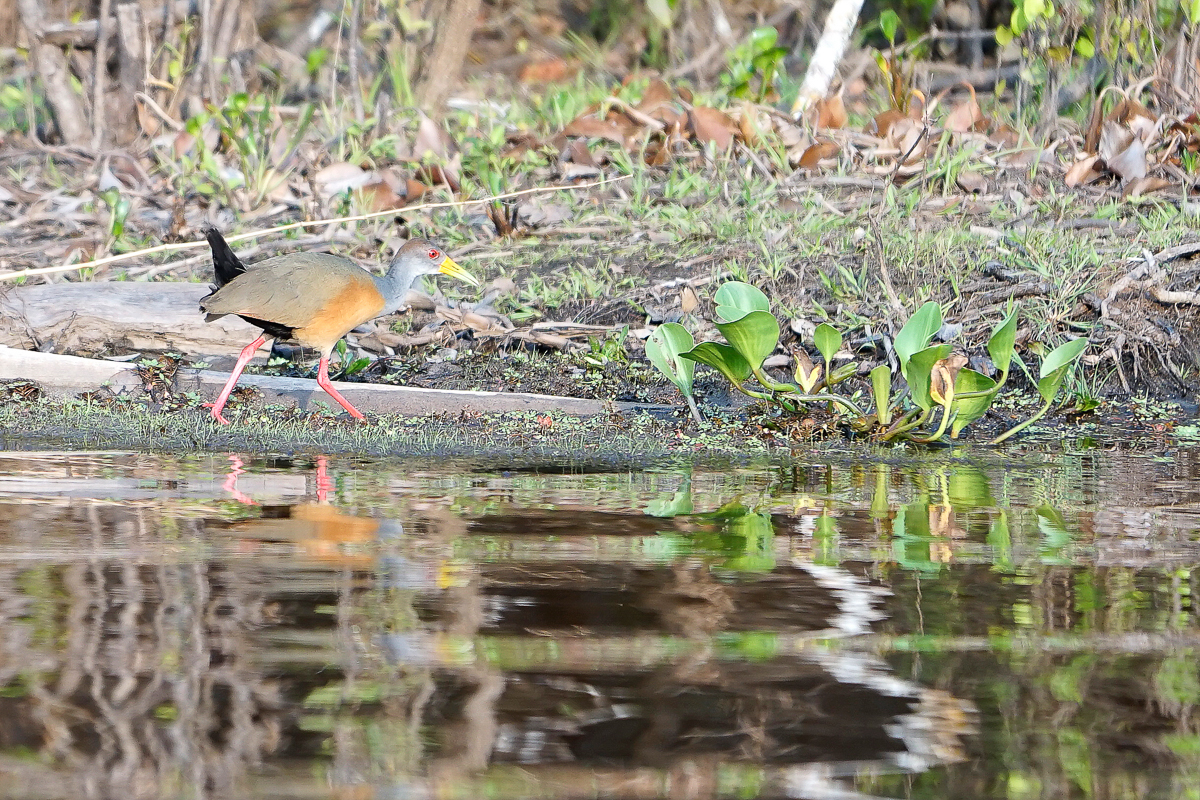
169	248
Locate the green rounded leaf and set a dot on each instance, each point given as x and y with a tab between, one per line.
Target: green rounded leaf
754	336
665	349
920	365
1063	356
1000	344
828	340
889	23
1084	47
722	358
763	38
917	332
736	299
971	408
881	388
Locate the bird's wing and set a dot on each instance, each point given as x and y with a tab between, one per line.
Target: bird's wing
289	290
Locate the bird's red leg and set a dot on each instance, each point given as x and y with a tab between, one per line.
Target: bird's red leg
323	382
243	359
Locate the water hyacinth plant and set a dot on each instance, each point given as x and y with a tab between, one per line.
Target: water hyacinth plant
939	396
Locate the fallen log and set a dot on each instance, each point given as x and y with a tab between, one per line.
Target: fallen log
102	317
68	376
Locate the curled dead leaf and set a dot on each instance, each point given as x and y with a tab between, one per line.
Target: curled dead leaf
546	70
1123	152
831	112
1082	172
340	176
883	122
966	116
971	181
593	128
711	125
1147	185
816	153
431	141
688	301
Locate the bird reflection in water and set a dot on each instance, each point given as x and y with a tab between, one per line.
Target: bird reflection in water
319	530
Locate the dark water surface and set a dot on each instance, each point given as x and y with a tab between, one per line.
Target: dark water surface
225	627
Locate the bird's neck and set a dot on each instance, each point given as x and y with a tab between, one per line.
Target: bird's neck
394	286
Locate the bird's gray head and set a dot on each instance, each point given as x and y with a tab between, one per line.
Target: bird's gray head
415	258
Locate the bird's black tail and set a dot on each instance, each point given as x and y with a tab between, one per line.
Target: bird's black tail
226	265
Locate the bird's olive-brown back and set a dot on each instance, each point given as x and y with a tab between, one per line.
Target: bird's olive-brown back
320	296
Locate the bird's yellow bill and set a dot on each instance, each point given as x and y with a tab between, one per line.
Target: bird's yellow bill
449	267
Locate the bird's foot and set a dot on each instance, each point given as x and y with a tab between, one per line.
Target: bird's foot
215	413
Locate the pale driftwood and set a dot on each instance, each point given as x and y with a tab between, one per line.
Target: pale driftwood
98	317
839	25
67	376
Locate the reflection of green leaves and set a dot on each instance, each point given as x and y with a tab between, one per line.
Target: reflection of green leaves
736	299
917	332
968	487
999	538
1175	681
723	359
679	504
825	539
1055	538
754	336
746	541
665	349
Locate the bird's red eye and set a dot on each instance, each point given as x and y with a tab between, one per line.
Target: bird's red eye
433	254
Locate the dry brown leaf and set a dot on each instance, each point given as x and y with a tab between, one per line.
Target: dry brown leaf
445	175
340	176
711	125
577	152
432	141
594	128
149	123
183	143
882	125
1147	185
815	153
546	70
414	190
378	195
971	181
520	143
831	112
1123	152
908	136
657	92
966	116
657	154
1082	172
688	301
659	103
1005	136
752	124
